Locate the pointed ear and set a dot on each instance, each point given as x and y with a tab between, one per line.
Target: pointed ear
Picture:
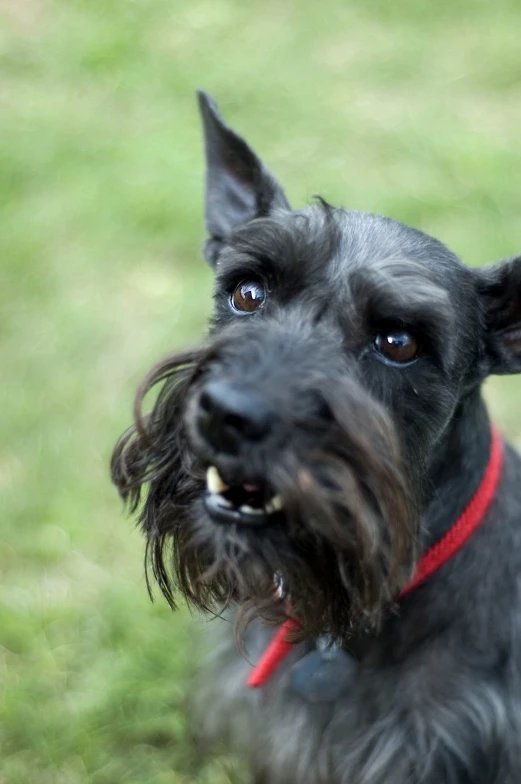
238	186
500	292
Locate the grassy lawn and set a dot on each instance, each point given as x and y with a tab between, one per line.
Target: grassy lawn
411	108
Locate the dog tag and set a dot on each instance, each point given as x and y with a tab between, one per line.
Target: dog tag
323	675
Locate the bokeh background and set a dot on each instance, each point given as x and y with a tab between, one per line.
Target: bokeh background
411	108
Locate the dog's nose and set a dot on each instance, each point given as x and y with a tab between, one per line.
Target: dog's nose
229	416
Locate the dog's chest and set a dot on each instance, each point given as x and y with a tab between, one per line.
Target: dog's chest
291	728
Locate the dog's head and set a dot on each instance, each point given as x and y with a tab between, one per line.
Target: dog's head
298	441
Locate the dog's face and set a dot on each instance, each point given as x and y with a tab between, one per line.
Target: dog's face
299	440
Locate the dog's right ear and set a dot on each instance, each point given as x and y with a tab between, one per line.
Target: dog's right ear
238	186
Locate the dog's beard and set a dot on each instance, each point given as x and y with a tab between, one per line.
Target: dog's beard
344	543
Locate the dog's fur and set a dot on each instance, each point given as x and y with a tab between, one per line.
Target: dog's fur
375	461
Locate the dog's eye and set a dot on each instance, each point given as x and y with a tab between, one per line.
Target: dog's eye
248	296
399	347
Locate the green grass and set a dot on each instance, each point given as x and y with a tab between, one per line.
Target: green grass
409	108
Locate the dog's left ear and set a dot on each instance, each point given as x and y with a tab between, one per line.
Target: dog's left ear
238	185
500	290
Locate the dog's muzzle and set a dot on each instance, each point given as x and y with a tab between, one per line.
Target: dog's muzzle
230	417
231	420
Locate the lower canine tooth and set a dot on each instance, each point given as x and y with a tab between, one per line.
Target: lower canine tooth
250	510
275	505
214	482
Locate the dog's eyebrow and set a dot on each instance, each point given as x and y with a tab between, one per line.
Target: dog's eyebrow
403	291
232	265
296	242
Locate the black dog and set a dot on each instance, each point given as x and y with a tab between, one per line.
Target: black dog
331	435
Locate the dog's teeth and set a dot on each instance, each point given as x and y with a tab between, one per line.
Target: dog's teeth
275	505
214	482
222	501
250	510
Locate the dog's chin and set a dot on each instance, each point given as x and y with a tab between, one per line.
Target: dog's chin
222	533
260	571
257	563
228	557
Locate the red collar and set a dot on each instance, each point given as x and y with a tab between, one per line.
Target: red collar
430	562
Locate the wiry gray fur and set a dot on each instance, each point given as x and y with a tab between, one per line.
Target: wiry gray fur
437	694
448	712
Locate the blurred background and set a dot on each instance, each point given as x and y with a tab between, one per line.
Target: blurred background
410	108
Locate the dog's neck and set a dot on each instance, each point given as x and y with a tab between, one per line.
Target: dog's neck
457	468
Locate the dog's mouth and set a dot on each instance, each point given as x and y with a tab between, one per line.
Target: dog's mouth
246	503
